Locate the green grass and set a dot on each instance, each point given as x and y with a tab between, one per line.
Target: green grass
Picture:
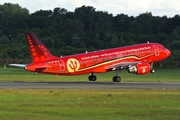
18	74
89	104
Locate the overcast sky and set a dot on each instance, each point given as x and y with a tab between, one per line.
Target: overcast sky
129	7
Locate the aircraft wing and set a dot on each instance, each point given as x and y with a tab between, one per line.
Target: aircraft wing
122	65
18	65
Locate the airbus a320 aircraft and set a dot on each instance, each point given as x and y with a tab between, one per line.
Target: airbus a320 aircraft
137	59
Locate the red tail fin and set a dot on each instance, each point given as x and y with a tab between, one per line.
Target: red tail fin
37	49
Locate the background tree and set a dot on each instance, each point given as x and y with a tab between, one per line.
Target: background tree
142	24
12	18
64	32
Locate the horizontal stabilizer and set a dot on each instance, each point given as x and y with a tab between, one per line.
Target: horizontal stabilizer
43	67
37	68
18	65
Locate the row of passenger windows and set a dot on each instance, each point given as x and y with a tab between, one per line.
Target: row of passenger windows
102	59
116	57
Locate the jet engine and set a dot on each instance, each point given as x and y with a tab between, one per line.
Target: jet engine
141	68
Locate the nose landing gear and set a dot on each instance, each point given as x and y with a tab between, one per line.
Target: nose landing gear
152	70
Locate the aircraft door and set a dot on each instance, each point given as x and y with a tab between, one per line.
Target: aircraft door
156	50
61	66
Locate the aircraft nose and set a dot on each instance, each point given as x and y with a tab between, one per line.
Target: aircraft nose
168	52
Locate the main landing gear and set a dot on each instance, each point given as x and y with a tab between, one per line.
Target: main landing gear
116	78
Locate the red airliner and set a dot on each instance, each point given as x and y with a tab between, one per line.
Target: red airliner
136	59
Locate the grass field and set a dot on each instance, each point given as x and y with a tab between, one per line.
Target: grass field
18	74
89	104
51	104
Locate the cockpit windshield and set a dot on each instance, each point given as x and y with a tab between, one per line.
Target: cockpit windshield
163	48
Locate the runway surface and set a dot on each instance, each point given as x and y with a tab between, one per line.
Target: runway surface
92	85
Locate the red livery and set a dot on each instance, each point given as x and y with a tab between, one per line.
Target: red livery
136	59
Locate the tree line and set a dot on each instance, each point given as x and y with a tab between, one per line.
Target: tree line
64	32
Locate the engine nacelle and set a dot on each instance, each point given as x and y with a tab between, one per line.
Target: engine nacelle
140	69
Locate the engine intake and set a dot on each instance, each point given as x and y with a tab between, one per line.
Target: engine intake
140	69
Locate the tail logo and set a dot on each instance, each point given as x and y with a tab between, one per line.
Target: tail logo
73	65
35	51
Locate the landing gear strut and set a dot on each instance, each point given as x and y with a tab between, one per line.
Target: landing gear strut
116	78
92	77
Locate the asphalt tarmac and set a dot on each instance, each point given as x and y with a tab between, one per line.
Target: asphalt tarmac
92	85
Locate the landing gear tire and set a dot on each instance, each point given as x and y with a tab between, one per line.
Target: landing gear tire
152	71
92	78
116	79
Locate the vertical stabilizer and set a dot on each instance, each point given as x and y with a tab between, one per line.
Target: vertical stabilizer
37	49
